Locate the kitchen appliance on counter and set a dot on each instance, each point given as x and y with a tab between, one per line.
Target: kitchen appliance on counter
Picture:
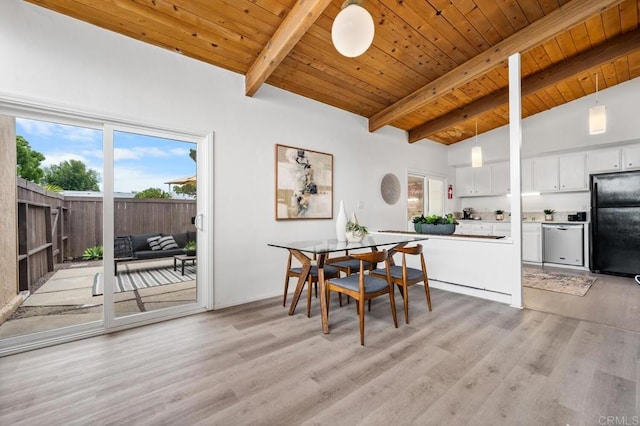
578	217
563	244
615	223
467	211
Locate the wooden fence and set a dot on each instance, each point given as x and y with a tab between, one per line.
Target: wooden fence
53	228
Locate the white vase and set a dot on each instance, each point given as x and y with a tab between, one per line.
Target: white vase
341	223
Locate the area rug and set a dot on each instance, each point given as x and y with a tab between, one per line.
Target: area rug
145	278
558	282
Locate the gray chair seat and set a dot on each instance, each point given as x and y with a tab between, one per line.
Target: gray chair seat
353	264
396	272
351	282
328	271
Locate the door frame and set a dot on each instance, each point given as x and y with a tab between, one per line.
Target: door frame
37	109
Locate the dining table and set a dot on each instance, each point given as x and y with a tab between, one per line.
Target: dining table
315	253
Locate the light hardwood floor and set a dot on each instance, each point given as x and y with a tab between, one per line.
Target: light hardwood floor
470	361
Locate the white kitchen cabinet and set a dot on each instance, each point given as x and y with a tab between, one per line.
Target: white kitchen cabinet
503	229
532	242
603	160
481	229
572	172
473	181
631	157
545	174
500	178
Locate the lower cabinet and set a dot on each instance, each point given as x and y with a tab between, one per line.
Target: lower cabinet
532	242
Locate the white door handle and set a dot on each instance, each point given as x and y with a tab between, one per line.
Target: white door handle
199	221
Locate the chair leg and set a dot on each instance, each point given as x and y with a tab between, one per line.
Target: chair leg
428	294
340	299
392	299
286	289
369	305
309	286
316	286
361	319
405	297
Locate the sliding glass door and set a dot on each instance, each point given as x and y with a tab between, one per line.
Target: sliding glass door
113	226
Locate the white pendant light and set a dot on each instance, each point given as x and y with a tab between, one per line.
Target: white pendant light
476	152
353	29
597	116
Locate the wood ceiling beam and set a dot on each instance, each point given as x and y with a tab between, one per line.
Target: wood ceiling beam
303	14
618	47
556	22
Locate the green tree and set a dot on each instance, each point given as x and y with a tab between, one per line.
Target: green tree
192	154
72	175
186	189
153	193
28	161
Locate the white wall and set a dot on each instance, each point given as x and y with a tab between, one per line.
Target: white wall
563	128
58	60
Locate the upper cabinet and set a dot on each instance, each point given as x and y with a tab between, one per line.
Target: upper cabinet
545	174
573	176
500	178
631	157
526	171
473	181
604	160
562	173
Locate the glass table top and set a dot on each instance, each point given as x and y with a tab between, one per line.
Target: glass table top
333	245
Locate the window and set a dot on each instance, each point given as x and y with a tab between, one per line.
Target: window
425	195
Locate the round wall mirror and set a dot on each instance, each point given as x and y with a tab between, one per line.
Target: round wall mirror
390	188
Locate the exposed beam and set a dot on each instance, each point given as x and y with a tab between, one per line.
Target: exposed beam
558	21
303	14
616	48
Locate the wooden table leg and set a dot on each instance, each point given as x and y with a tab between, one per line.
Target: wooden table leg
304	274
323	294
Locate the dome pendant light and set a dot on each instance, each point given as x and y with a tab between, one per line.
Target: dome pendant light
597	116
353	29
476	152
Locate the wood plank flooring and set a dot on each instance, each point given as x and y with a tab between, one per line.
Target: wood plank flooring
469	362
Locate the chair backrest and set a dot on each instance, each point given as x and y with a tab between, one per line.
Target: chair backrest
373	257
417	249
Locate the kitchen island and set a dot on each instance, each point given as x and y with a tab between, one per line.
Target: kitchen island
481	266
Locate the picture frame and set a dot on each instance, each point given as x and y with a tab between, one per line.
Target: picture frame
303	184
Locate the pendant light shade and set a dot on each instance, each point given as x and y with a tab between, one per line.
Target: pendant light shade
597	116
476	156
597	120
476	152
352	30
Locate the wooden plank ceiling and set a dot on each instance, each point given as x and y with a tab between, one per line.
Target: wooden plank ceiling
435	66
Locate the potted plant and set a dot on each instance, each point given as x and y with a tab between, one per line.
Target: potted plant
499	214
435	224
548	215
355	232
190	248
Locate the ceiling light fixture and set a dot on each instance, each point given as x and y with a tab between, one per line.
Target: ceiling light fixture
352	30
476	152
597	116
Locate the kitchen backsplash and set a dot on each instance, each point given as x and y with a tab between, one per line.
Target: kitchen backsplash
533	216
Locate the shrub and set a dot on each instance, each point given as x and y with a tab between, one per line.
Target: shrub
93	253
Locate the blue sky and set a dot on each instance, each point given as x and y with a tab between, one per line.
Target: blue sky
140	161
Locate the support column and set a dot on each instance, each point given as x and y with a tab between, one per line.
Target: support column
515	143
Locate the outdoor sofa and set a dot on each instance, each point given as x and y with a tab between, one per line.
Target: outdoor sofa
139	247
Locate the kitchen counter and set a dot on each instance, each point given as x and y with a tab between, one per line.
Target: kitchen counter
467	264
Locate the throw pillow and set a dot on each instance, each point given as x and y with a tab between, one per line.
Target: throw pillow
168	243
154	242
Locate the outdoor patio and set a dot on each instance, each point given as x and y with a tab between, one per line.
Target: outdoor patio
66	298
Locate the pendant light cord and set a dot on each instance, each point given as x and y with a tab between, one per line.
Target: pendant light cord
596	89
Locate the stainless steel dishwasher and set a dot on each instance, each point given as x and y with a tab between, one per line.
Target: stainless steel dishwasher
563	244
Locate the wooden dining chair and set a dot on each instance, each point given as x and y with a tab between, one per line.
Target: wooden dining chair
312	280
349	265
404	276
363	287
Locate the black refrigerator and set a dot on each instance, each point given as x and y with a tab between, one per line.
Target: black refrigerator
615	223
